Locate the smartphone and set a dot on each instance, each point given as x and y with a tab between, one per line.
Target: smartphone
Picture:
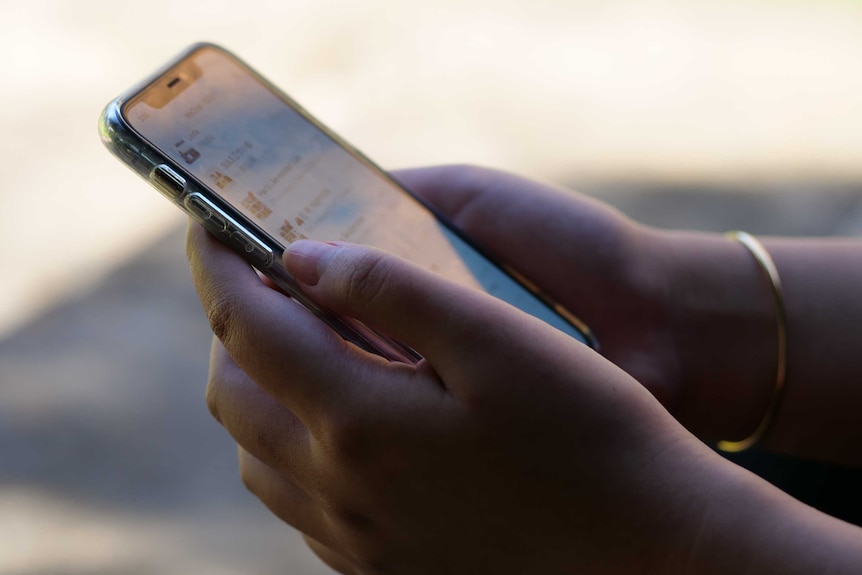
259	172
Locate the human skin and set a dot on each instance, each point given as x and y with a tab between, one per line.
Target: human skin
510	448
690	315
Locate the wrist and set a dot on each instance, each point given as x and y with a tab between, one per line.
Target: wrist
722	320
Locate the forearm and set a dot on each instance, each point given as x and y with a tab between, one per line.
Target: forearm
724	317
749	527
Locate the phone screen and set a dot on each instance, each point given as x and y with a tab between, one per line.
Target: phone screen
276	166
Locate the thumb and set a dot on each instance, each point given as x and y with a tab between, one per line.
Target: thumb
439	319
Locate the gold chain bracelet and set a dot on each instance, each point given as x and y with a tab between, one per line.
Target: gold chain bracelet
764	261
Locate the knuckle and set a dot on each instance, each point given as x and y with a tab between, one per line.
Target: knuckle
246	474
363	539
374	559
471	172
222	311
352	520
347	439
212	396
331	557
268	444
366	282
250	473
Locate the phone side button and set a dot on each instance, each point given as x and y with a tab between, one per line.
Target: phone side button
207	213
260	253
168	181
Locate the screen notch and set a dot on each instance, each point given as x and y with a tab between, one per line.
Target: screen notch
170	85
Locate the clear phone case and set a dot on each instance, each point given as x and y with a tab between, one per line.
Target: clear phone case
223	221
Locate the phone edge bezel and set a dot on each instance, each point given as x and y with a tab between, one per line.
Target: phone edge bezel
113	115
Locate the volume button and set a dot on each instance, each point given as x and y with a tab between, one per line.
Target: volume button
168	181
229	231
257	250
209	214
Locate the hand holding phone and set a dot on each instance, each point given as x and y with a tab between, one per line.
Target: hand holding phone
510	449
259	172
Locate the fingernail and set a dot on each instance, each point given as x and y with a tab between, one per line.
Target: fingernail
305	260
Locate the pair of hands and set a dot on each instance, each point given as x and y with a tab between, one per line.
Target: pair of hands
510	448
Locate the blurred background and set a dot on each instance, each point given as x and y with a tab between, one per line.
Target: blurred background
700	114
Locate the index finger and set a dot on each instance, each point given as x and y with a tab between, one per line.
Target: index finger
272	338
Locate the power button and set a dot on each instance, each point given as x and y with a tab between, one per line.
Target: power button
168	181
